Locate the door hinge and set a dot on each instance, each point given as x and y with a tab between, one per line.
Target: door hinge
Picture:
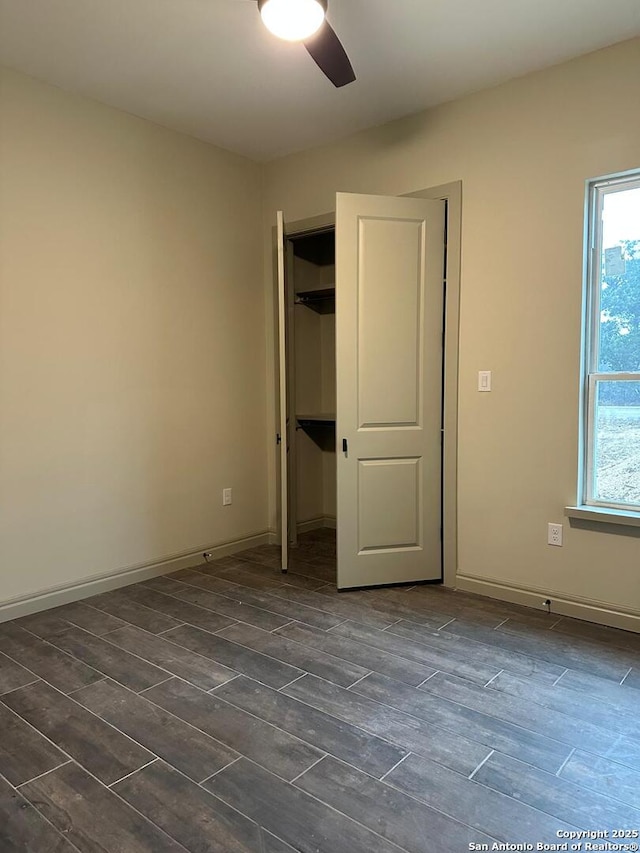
278	438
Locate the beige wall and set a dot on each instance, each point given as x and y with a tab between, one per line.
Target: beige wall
523	152
132	340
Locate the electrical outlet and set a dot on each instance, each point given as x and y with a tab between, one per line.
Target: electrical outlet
227	497
554	534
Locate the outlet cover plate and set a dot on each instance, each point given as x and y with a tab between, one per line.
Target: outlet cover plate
554	534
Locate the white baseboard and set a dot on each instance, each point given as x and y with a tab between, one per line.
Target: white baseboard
590	611
316	524
77	590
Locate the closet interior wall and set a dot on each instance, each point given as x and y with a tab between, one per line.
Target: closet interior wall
312	379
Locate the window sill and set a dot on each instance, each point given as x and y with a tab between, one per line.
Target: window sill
604	515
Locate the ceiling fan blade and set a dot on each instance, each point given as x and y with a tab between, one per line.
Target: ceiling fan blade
330	56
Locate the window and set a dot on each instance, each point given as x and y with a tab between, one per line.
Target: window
612	346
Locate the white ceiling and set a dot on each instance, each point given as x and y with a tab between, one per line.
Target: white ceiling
210	68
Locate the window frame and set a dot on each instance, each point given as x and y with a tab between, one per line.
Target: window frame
597	190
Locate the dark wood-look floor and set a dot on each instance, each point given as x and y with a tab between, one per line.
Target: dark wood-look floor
230	708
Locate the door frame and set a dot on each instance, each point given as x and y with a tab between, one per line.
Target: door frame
452	194
283	437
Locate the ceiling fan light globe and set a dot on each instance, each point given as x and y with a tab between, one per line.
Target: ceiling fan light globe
293	20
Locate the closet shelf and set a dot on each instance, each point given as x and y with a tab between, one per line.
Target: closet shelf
319	420
321	429
323	301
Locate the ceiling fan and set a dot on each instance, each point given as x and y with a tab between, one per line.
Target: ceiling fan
305	21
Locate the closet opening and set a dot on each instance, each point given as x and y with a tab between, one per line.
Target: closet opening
367	380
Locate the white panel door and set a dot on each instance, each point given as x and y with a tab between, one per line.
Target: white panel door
283	394
389	321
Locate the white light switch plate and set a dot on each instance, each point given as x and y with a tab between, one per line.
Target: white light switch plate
484	380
